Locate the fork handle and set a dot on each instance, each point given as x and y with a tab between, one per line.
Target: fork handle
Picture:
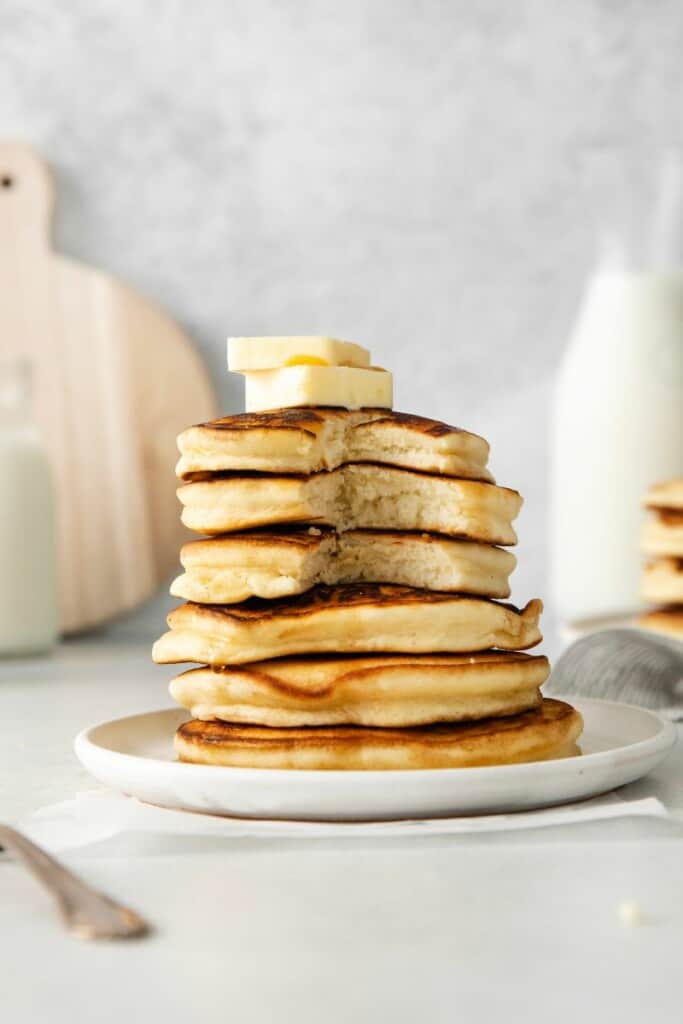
89	914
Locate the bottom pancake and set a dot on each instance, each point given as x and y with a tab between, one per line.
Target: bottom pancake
385	690
543	733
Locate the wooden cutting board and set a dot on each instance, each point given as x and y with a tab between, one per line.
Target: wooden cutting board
115	380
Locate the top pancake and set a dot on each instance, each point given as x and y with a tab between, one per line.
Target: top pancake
307	440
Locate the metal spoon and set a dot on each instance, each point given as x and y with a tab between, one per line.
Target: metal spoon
87	913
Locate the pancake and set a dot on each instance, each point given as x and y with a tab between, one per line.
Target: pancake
663	581
381	690
664	620
272	564
663	533
346	619
543	733
667	495
354	497
310	440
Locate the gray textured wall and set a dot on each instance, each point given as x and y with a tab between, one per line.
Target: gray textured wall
406	174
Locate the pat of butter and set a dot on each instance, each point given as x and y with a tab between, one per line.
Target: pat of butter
246	354
347	386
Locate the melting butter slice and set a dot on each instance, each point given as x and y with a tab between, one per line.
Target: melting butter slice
246	354
348	387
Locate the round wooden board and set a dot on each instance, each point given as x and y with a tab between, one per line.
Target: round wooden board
115	381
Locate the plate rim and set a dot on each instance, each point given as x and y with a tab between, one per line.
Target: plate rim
662	741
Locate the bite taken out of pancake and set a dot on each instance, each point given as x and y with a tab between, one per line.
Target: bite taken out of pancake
347	619
546	732
353	497
279	562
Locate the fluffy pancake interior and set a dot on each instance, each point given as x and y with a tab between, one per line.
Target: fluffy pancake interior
384	690
354	497
547	731
235	567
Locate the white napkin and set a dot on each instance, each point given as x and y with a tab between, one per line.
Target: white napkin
100	814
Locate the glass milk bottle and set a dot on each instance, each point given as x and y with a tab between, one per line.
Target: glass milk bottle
28	573
617	418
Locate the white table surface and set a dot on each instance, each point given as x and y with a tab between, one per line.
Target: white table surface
450	928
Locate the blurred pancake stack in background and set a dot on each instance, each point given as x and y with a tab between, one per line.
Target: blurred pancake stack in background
344	602
662	543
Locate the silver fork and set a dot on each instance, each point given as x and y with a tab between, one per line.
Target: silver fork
87	913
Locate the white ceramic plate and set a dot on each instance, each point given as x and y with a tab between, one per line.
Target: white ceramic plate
135	755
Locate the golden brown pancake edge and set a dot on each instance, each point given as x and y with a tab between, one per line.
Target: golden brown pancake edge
542	733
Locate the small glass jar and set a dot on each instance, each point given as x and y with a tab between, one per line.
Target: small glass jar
28	563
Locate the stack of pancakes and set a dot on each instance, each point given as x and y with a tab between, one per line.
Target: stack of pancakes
344	603
662	543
